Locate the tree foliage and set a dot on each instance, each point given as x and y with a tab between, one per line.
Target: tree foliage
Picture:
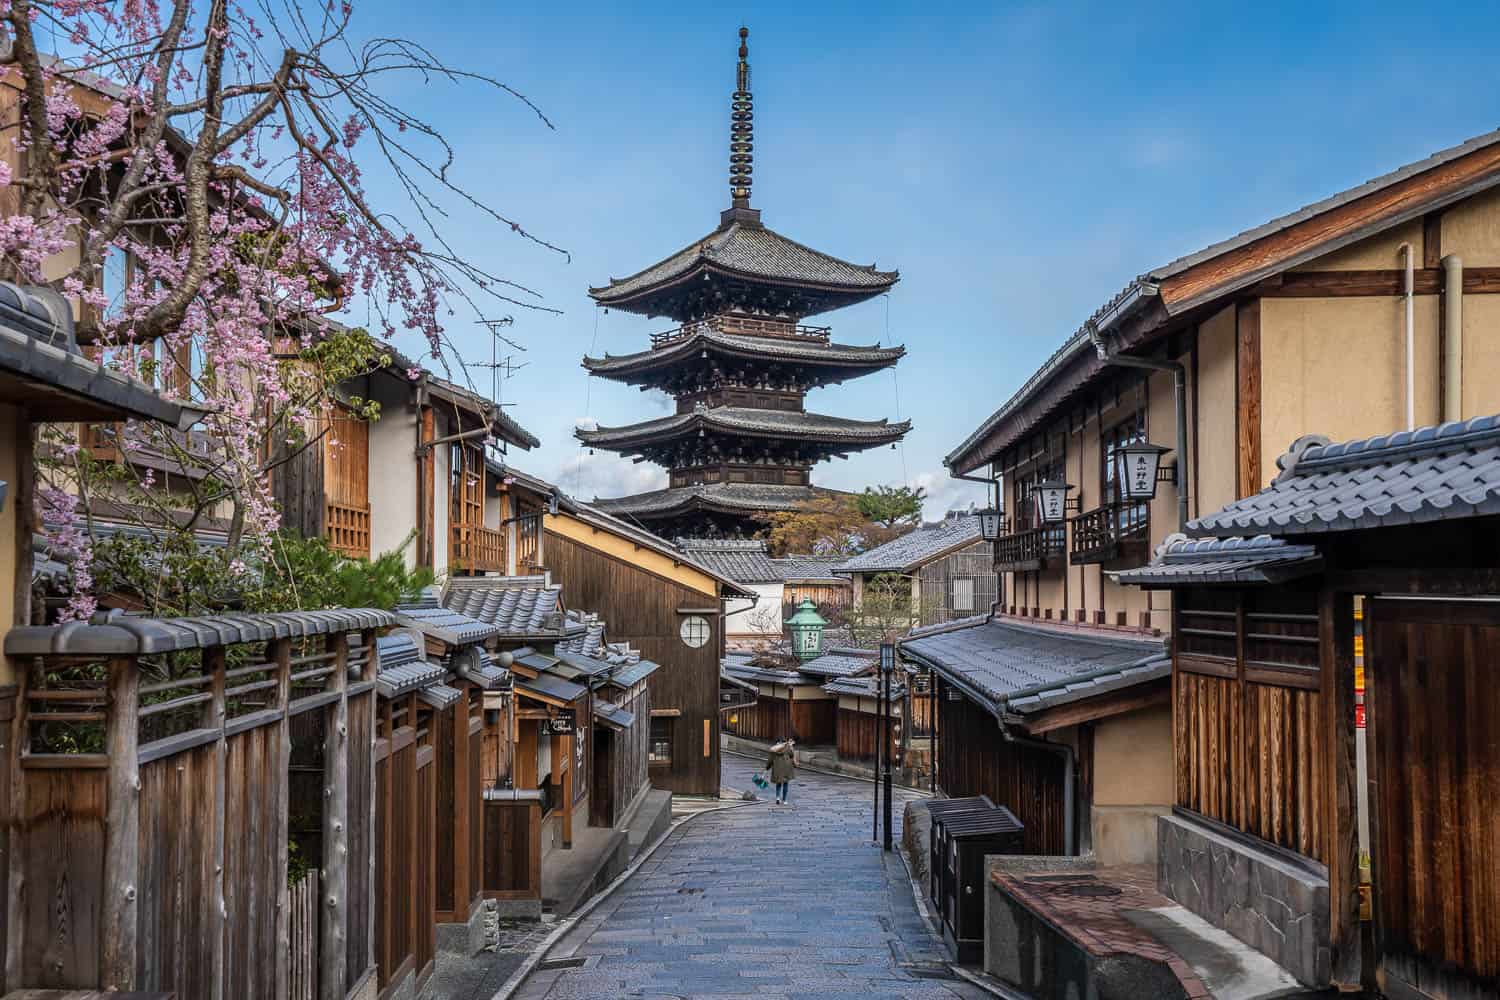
886	611
843	524
892	507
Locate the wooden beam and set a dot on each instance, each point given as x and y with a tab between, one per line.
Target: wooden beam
122	832
1340	810
1328	230
282	658
1432	239
1133	699
214	715
1247	398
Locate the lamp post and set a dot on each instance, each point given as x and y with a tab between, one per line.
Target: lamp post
1138	470
1052	501
989	524
887	667
807	631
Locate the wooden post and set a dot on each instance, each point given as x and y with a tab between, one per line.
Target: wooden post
214	712
368	673
463	807
1336	661
333	947
567	789
282	658
122	833
15	941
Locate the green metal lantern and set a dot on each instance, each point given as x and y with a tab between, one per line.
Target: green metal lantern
807	631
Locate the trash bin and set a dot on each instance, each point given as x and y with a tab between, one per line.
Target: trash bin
966	837
935	866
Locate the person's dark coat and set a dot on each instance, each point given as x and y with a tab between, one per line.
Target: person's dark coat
782	765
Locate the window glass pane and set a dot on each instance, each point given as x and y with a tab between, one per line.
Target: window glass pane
115	280
963	595
661	740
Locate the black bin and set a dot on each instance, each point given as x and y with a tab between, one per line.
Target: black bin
937	808
966	836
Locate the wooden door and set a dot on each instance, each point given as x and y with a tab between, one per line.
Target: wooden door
601	798
1433	730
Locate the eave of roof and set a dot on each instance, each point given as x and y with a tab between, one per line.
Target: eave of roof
740	345
967	456
916	548
749	422
1181	561
728	498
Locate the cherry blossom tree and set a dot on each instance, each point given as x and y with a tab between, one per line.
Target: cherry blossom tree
222	150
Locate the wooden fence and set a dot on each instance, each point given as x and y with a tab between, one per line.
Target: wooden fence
151	794
304	937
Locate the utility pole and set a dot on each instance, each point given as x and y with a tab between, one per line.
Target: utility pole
887	667
875	815
500	368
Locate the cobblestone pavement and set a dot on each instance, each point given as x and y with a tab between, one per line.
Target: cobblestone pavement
777	903
481	976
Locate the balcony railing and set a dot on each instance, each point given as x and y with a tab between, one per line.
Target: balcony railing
1110	532
348	529
1029	550
745	325
476	550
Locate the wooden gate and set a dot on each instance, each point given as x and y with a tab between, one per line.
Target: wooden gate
1433	727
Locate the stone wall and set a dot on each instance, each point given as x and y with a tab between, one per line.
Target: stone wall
1278	907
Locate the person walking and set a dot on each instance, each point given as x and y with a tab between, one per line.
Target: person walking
783	767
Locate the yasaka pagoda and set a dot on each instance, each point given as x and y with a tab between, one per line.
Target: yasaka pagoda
739	363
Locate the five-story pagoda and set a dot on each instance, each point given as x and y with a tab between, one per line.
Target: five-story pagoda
739	364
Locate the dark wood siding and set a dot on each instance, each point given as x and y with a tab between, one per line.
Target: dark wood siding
1434	782
642	609
815	723
768	719
975	759
859	734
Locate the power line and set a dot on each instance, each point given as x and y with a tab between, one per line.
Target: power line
896	381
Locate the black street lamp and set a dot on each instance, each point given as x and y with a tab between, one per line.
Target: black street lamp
1138	470
887	667
1052	501
989	524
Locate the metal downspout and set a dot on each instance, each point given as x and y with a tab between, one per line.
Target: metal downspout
1453	337
1069	761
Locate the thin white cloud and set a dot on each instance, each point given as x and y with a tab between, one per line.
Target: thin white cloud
601	474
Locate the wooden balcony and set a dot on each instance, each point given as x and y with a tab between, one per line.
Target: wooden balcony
472	549
1028	550
348	529
745	326
1109	533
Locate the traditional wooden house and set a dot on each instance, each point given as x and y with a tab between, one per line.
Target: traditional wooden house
740	443
746	563
947	565
788	704
1068	732
657	598
812	578
1264	594
347	489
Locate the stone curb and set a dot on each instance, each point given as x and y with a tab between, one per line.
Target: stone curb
568	923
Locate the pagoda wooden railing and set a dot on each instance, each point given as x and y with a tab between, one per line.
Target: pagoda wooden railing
1108	532
347	528
745	325
475	549
1029	550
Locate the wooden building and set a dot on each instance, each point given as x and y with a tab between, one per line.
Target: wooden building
812	578
1068	731
739	364
947	565
746	563
1404	525
366	485
659	600
859	721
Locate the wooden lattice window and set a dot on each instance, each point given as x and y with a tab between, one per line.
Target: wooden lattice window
346	483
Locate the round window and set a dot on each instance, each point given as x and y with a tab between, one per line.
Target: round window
694	630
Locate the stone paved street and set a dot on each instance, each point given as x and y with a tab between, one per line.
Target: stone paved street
760	901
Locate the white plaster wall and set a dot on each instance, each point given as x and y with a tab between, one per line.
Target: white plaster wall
393	472
441	428
746	624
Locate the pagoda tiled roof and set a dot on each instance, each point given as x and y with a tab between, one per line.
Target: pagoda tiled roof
751	422
730	498
746	249
800	350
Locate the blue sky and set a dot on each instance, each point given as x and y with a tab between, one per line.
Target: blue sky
1017	163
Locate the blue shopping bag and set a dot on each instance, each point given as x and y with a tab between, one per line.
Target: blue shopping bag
761	782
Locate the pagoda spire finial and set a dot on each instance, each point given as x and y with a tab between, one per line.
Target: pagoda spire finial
741	129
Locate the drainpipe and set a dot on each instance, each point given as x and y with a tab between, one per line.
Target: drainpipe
1179	393
1411	346
1453	337
1069	787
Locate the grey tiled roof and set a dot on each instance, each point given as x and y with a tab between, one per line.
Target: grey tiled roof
1019	669
440	696
613	715
801	349
1437	473
820	568
745	672
1145	286
446	625
748	420
403	667
479	668
742	560
632	673
864	687
916	548
519	606
841	662
120	634
729	497
1180	560
753	251
548	686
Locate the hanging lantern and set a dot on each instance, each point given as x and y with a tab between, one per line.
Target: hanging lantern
1136	470
1052	501
989	524
807	631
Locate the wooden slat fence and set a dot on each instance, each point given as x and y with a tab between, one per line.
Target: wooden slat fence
512	846
1247	709
151	842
